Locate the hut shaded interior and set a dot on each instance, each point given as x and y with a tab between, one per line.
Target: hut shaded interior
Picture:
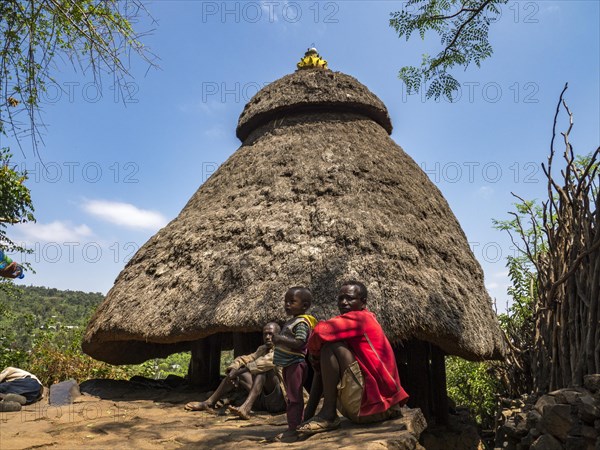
318	193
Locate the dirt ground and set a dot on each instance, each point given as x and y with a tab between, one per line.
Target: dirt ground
115	415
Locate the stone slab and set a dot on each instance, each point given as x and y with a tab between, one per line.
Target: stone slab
64	393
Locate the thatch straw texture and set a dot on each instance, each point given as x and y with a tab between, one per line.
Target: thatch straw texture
311	91
312	197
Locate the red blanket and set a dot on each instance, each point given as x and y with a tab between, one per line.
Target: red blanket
364	336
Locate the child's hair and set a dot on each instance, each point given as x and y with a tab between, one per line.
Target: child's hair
303	293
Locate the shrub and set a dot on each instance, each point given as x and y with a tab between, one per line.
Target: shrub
472	385
56	356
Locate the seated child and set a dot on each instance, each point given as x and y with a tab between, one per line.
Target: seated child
257	374
290	351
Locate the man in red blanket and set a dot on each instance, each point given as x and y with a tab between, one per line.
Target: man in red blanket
355	367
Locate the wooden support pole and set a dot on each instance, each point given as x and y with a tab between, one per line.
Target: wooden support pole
422	370
246	343
412	358
214	363
440	394
204	368
198	370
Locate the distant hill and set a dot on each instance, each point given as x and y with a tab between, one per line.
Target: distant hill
41	330
45	305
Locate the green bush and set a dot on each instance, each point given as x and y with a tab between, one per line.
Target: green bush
160	368
226	359
56	356
472	385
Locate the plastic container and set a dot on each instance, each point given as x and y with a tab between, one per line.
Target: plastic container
5	261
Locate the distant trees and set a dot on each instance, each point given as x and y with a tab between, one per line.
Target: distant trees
41	331
25	313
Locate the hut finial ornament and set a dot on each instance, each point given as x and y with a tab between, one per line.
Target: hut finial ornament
312	60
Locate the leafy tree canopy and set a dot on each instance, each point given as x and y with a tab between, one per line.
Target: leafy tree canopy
462	26
15	199
15	205
96	36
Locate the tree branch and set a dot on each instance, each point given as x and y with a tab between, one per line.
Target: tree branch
462	26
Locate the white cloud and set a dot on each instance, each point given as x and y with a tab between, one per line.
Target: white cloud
56	231
499	281
485	192
125	214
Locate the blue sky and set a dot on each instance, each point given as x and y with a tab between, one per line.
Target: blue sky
120	167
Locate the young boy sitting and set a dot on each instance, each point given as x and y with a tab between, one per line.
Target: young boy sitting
290	351
257	374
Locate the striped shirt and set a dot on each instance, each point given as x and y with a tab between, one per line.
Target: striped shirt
284	357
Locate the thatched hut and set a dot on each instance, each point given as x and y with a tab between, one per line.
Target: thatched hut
318	193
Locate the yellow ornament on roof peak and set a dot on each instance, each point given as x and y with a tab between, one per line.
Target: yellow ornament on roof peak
312	60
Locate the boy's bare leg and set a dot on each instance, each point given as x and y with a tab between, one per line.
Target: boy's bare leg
335	359
257	386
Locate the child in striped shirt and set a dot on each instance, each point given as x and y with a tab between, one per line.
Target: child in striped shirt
290	350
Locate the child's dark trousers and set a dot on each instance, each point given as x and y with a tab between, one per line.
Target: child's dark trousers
294	377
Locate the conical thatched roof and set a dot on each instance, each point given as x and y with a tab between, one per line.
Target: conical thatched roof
318	193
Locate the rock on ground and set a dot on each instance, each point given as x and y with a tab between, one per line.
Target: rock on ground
567	418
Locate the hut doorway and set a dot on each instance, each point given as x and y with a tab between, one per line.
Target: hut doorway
423	374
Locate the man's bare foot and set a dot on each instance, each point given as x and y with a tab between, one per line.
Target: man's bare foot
241	413
198	406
